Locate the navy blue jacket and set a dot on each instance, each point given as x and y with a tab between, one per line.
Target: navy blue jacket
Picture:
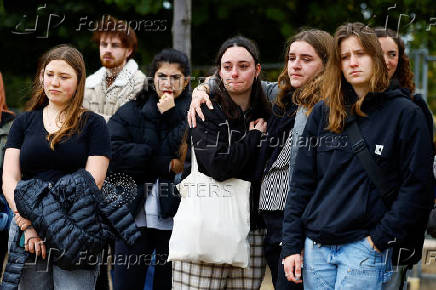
332	200
144	142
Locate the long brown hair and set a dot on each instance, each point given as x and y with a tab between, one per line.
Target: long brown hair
73	109
334	81
322	43
3	105
258	100
403	73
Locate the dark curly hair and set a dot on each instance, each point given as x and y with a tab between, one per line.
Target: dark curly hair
166	55
403	73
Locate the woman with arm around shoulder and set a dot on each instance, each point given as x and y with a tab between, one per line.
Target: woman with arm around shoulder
54	137
337	215
240	107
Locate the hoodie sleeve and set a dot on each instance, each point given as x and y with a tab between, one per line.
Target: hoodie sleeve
302	187
415	197
271	90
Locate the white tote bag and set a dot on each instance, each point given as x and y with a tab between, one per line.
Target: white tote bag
213	220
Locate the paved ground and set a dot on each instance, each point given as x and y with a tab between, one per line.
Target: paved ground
422	277
267	284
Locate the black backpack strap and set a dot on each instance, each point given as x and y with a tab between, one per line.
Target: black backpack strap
360	149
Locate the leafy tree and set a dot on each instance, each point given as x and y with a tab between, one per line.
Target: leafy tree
269	22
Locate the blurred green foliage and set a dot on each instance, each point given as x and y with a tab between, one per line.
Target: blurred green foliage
269	22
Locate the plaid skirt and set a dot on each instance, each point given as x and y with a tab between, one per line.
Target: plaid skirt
190	275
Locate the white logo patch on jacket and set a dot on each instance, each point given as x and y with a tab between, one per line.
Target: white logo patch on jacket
378	149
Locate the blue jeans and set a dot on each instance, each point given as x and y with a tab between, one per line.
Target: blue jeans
40	275
349	266
398	276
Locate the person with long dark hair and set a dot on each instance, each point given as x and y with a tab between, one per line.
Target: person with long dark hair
401	76
345	222
240	107
146	134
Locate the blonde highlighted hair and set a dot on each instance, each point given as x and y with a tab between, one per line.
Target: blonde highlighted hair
308	96
334	81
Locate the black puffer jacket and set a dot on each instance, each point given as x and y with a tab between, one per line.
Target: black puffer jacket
74	218
144	142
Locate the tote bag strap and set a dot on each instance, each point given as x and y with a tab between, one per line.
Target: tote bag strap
194	164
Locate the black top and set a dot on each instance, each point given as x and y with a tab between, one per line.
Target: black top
144	142
37	160
219	160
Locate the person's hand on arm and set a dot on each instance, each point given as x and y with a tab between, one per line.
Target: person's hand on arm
33	243
200	95
260	125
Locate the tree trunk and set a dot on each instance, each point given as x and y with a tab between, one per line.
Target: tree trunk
182	26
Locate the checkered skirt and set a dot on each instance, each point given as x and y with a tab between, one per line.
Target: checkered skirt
190	275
